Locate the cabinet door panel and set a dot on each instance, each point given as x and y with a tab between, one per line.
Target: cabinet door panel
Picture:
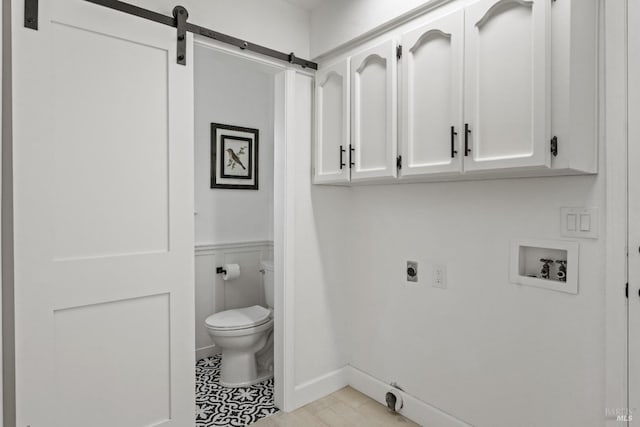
332	124
372	111
374	98
432	97
507	84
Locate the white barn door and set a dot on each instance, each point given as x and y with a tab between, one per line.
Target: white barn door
103	234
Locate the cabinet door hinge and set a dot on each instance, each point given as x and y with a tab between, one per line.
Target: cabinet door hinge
554	146
399	162
31	14
399	52
626	290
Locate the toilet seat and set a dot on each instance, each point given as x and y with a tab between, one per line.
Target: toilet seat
239	318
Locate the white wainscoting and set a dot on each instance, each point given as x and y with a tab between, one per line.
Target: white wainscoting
214	294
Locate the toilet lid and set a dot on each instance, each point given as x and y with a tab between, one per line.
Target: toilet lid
238	318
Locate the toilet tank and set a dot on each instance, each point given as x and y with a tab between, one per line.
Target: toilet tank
267	282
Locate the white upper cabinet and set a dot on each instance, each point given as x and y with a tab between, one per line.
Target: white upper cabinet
332	124
574	85
493	89
507	96
374	112
431	98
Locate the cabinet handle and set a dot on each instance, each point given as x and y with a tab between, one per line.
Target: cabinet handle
342	164
453	146
351	151
467	131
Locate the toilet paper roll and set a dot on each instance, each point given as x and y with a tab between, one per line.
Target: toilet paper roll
232	272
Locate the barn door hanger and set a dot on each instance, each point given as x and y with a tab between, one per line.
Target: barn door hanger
31	14
180	14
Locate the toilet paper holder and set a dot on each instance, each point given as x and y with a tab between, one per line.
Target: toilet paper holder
229	271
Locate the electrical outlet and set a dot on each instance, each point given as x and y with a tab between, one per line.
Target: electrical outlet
412	271
440	276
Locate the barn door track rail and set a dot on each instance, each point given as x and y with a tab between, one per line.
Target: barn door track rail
178	21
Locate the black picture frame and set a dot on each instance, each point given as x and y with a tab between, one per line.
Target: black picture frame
243	162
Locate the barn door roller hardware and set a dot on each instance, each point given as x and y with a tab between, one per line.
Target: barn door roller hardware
180	14
178	21
31	14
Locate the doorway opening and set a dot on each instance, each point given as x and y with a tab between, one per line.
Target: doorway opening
234	137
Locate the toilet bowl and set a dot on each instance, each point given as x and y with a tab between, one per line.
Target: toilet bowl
242	334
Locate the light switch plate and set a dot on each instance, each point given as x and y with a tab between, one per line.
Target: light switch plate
579	222
440	276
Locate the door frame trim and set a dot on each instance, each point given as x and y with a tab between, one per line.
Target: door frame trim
613	137
284	261
202	41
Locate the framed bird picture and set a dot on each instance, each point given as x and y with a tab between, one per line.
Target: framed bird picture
234	157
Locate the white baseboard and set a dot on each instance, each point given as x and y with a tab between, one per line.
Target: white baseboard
320	387
413	408
208	351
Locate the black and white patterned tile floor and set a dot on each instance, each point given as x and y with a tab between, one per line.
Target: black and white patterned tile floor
229	407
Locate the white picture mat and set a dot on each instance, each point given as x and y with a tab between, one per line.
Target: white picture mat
218	138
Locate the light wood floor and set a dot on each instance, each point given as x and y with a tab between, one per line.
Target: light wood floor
344	408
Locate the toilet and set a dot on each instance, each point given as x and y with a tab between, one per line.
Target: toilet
245	336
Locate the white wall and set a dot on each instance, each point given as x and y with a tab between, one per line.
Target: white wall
484	350
232	91
272	23
337	22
